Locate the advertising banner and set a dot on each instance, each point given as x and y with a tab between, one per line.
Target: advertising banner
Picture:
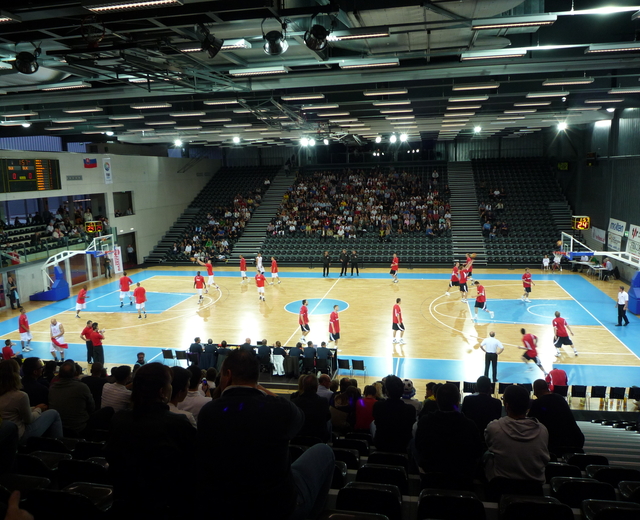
118	266
615	242
633	241
617	227
599	235
108	174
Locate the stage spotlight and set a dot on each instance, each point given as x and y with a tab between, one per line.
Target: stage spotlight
477	129
26	124
562	126
27	63
177	142
378	139
109	132
275	41
393	138
403	137
312	142
316	38
304	141
209	42
236	139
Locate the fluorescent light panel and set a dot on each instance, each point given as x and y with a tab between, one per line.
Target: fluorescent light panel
567	81
508	22
65	86
106	7
221	102
260	71
216	120
146	106
624	90
82	110
319	107
620	100
465	107
365	64
613	47
386	92
302	97
391	103
125	117
187	114
532	95
464	99
7	17
533	104
460	114
476	86
359	34
492	54
20	114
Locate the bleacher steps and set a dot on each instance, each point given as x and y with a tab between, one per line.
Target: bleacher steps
466	231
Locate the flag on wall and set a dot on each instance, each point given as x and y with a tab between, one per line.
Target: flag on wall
90	163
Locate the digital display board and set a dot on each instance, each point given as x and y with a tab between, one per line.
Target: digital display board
581	223
93	226
29	175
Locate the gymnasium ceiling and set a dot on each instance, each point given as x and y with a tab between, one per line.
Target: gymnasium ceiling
389	66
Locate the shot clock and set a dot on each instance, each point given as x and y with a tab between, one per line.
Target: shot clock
581	223
29	175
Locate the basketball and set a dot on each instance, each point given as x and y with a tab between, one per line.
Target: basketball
473	255
193	259
559	243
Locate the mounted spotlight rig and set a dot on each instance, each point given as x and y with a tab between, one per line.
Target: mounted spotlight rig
317	37
208	41
275	41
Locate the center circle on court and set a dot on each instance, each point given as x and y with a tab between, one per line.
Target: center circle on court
317	306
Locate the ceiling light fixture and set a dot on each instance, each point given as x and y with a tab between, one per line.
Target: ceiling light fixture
624	90
562	126
567	81
146	106
464	99
397	118
397	111
359	33
57	128
532	95
82	110
393	138
177	142
378	139
386	92
391	103
239	43
159	123
460	114
477	129
465	107
319	107
20	114
65	86
522	111
613	47
509	22
600	101
260	71
125	118
316	37
533	104
302	97
221	102
611	110
68	120
26	62
403	138
7	17
236	139
365	64
580	109
208	41
188	114
332	114
475	86
492	54
275	42
100	6
216	120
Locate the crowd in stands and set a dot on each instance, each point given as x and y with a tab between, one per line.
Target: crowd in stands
224	226
491	212
350	203
223	428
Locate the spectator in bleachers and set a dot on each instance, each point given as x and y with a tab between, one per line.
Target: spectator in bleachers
254	427
179	389
96	382
147	445
446	442
408	395
324	384
481	407
32	383
32	421
317	417
364	409
116	395
72	400
197	396
393	419
343	409
517	444
554	412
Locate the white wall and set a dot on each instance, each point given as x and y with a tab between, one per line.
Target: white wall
160	193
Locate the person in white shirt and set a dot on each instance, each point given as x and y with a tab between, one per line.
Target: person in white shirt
259	267
622	305
117	395
179	390
545	263
194	400
492	348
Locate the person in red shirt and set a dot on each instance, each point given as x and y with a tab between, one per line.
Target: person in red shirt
209	268
243	269
25	331
560	334
303	320
455	279
556	377
81	301
464	290
334	326
469	266
481	301
7	351
96	336
397	324
364	408
140	295
395	261
526	283
274	271
260	279
530	342
125	283
198	283
85	336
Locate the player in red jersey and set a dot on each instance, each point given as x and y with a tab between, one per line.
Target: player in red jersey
274	271
560	334
530	342
397	323
125	283
464	290
209	268
81	301
526	283
243	269
303	320
469	266
481	301
25	331
334	326
140	295
455	279
556	377
260	279
395	261
198	283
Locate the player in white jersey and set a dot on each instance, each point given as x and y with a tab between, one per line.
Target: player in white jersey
58	344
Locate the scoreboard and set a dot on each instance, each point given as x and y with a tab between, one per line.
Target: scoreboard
580	223
29	175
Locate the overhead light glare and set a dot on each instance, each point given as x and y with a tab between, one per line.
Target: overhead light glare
393	138
562	126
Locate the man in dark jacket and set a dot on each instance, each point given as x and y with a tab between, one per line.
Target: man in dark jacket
480	407
317	417
393	418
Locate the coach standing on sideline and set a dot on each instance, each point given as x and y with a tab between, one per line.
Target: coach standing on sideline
491	348
623	303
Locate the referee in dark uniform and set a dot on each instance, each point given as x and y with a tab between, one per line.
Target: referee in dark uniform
344	260
326	262
354	262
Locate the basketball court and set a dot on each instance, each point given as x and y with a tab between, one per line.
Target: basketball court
441	341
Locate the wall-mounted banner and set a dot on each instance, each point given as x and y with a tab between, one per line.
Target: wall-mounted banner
633	240
615	242
108	174
617	227
599	235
